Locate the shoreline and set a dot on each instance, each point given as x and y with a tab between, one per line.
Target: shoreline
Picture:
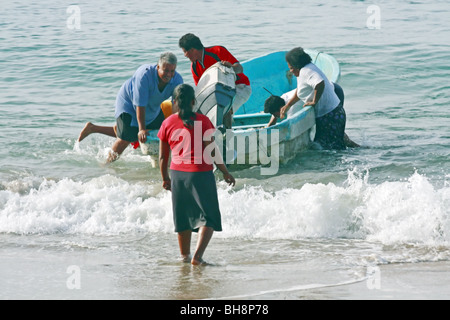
402	281
28	275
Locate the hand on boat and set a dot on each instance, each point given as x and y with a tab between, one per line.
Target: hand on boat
226	64
283	111
309	103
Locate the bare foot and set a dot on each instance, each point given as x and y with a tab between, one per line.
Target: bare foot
87	130
112	156
186	258
199	262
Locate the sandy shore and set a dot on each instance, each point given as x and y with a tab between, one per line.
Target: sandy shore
39	274
418	281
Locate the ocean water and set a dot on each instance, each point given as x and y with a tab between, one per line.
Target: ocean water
372	222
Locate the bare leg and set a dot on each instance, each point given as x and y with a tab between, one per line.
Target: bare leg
184	242
92	128
204	235
118	147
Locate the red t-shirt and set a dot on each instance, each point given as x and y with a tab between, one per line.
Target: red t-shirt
211	56
187	143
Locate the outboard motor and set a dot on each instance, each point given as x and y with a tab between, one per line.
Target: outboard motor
215	93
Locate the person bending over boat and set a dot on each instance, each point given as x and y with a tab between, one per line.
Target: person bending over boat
204	57
314	89
273	105
137	107
194	193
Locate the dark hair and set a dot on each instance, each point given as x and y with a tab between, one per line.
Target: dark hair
273	104
189	41
183	95
298	58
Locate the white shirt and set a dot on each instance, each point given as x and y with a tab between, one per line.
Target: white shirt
310	76
294	108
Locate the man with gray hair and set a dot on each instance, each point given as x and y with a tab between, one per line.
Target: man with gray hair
138	104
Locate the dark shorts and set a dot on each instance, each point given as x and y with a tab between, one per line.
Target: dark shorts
129	133
194	201
330	129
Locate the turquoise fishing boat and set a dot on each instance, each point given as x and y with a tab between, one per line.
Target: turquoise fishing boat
250	142
293	134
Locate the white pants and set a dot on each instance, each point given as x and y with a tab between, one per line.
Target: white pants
243	93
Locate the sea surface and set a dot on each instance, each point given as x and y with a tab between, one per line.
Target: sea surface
365	223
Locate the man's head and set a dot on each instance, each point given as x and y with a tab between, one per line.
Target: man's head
273	104
192	47
167	64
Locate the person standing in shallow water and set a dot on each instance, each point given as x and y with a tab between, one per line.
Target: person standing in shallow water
138	104
314	89
194	193
273	105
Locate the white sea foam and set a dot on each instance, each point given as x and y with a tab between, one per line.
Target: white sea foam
391	212
104	205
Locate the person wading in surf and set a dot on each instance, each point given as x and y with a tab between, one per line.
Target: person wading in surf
315	90
138	104
186	135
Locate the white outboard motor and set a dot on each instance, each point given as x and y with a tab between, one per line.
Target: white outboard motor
215	93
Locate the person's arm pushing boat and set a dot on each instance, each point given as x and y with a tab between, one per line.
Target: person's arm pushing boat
318	90
237	67
140	116
288	105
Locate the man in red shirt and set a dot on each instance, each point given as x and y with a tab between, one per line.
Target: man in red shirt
204	57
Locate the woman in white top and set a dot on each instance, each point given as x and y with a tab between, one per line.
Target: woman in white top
273	105
314	89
